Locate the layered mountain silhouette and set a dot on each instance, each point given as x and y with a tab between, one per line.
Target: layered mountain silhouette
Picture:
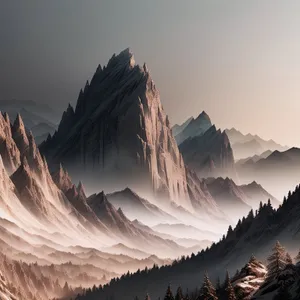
237	200
255	234
248	145
209	154
136	207
205	150
278	172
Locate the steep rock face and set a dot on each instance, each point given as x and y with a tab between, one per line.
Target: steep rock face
8	148
119	126
5	292
19	135
192	128
62	179
209	154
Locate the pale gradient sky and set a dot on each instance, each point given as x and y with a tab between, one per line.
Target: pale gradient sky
237	60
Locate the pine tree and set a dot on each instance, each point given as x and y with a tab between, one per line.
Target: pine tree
187	297
207	291
218	284
179	294
297	258
229	290
277	261
288	259
169	294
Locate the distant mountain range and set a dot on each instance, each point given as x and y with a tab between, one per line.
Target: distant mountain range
248	145
236	200
279	172
37	117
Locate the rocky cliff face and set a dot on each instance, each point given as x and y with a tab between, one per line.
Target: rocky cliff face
8	148
119	135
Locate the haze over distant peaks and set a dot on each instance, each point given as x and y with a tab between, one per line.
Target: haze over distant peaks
248	145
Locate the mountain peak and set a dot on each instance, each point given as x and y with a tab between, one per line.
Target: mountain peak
204	116
61	179
124	58
18	123
80	189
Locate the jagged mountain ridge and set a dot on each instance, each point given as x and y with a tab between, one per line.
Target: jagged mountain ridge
176	129
209	154
192	127
119	124
52	200
134	131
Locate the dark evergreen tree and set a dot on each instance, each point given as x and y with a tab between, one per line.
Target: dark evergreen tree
297	258
288	259
169	294
179	294
187	297
229	290
277	261
207	291
218	284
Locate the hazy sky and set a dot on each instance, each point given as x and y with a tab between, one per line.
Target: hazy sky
237	60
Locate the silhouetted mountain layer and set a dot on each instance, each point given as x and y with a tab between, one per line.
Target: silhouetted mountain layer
248	145
278	172
136	207
209	154
236	200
